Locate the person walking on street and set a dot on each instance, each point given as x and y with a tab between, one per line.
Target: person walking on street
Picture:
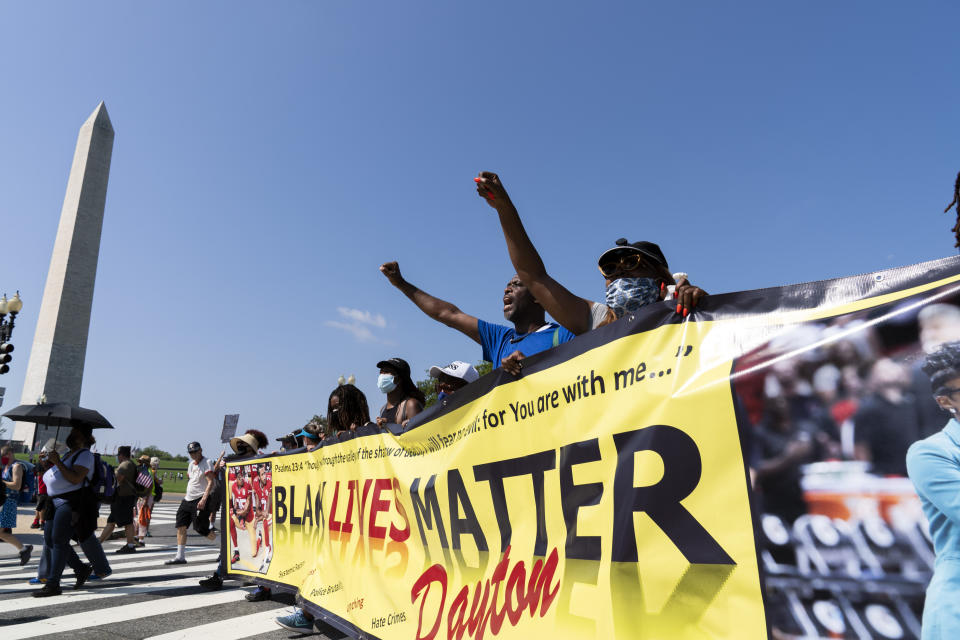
193	508
246	446
73	515
145	503
13	476
124	500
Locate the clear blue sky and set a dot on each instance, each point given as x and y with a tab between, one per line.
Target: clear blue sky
268	157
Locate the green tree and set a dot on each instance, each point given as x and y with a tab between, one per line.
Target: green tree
429	388
155	451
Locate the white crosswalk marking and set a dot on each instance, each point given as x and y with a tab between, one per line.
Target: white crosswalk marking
119	614
142	597
242	627
118	567
29	602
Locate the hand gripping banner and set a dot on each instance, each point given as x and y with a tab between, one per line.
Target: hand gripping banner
604	493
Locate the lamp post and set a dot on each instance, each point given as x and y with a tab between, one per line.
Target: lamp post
11	307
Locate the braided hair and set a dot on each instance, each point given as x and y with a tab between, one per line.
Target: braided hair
943	365
955	201
351	410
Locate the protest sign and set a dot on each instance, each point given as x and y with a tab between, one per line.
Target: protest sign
604	493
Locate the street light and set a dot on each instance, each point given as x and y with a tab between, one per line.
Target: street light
9	307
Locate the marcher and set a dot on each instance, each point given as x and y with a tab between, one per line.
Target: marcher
453	377
73	514
42	466
245	446
13	477
404	398
124	501
193	507
933	465
636	274
530	333
348	414
145	503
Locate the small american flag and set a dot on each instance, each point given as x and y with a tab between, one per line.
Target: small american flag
145	480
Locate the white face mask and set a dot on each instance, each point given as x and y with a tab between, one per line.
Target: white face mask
386	383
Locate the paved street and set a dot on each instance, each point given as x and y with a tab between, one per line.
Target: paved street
142	599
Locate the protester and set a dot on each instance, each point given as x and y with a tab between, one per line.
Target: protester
312	435
13	477
41	467
934	467
193	507
72	511
530	333
288	442
124	501
246	446
347	411
636	274
145	503
404	398
452	377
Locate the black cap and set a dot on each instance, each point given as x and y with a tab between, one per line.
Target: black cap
289	436
648	249
397	364
193	446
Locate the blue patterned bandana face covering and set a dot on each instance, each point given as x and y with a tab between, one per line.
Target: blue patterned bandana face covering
629	294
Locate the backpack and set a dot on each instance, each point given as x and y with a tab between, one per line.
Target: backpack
28	486
157	491
104	481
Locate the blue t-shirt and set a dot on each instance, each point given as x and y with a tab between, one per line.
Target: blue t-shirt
499	341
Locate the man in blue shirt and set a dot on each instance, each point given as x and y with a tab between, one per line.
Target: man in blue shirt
503	345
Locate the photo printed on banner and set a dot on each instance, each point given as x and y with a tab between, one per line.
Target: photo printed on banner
251	517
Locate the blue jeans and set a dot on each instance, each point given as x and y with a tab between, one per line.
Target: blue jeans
91	548
57	551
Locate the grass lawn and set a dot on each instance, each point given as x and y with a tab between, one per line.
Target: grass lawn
168	467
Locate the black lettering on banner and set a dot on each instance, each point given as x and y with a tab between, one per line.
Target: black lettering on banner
280	504
294	519
307	508
318	507
681	474
494	472
457	494
574	496
423	511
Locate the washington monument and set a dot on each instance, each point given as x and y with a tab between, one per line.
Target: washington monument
55	369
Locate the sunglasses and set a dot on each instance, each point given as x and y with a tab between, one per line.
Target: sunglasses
619	264
947	391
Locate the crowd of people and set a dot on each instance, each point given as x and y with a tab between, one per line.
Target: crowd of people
68	503
860	395
856	396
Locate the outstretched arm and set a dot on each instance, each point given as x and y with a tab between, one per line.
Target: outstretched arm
439	310
571	311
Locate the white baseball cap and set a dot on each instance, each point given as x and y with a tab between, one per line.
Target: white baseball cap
457	369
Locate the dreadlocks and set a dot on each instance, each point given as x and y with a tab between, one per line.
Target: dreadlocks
956	201
942	366
352	410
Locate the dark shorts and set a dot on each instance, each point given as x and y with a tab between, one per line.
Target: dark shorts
188	514
121	510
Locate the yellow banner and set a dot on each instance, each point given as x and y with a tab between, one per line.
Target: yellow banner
584	500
